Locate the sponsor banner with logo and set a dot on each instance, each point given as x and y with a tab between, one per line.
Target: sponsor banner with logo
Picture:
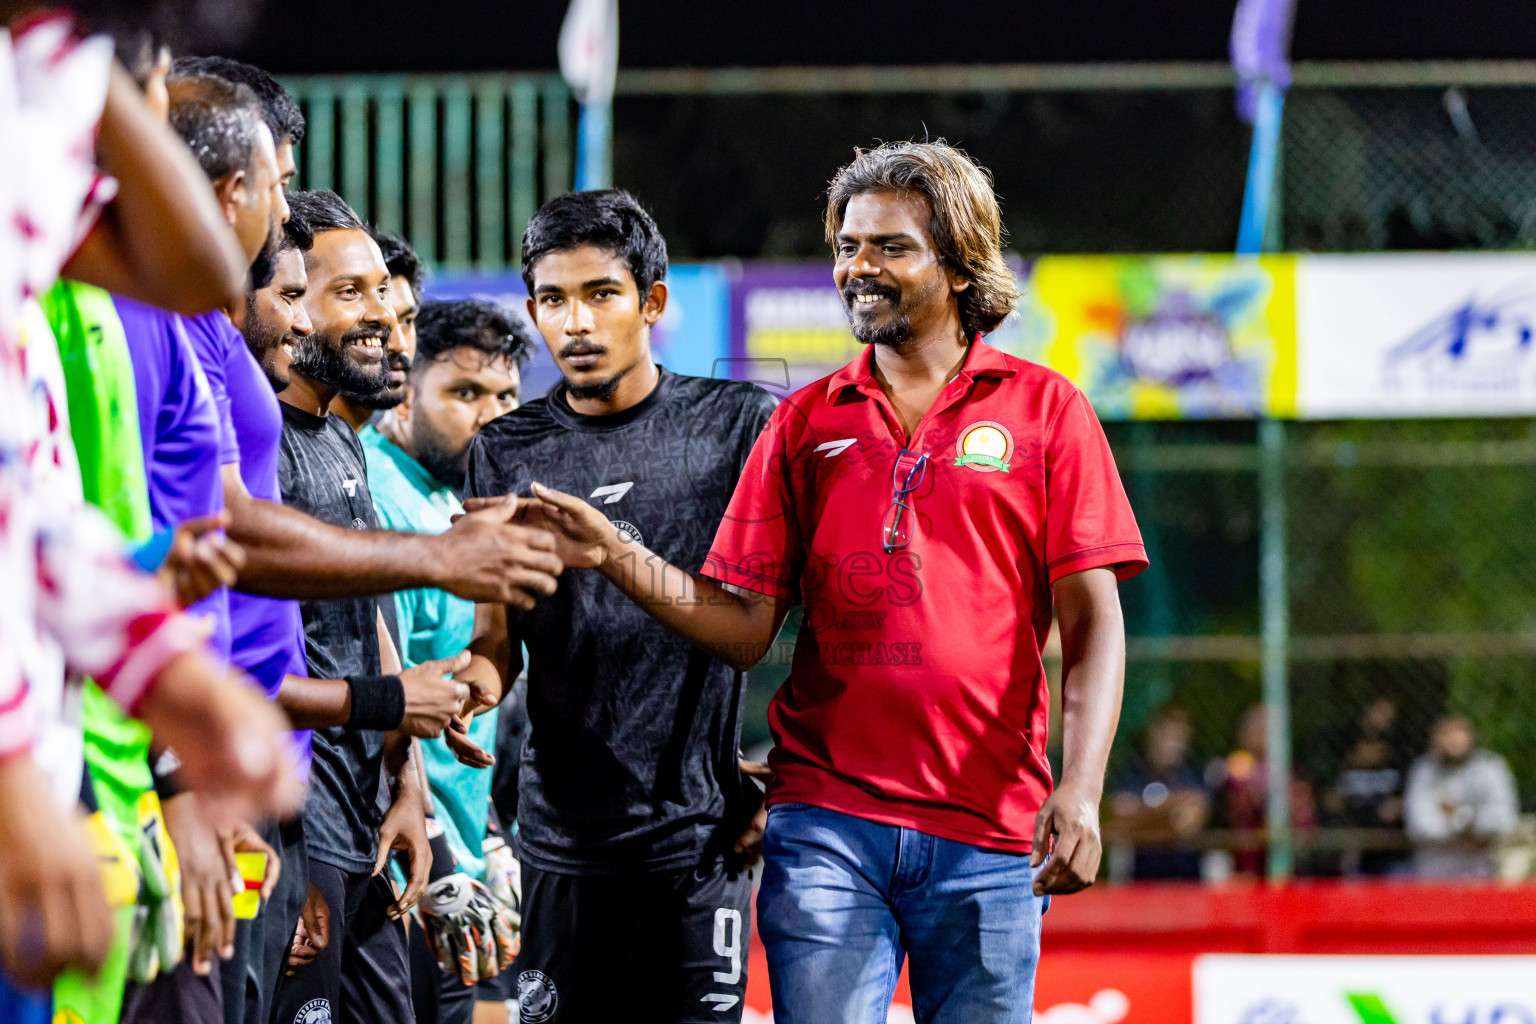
1365	990
1153	337
1408	334
1162	337
1165	337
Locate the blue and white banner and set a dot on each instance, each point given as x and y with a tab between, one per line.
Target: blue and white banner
1365	990
1408	334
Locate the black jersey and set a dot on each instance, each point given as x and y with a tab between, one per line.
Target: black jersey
321	471
630	760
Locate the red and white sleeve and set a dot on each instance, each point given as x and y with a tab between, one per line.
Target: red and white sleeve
114	622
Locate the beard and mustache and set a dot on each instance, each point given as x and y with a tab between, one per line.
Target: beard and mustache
446	461
598	390
266	345
392	393
897	329
324	358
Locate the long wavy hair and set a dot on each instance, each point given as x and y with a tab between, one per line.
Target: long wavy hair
964	218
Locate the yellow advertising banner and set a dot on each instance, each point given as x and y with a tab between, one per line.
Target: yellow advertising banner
1164	337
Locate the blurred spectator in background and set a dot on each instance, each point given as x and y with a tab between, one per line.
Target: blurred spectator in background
1241	781
1460	803
1368	791
1159	799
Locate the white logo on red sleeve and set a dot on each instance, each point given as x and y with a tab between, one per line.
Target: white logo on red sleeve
836	447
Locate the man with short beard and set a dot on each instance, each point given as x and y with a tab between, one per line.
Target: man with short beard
931	505
361	972
631	806
274	318
405	282
466	373
299	556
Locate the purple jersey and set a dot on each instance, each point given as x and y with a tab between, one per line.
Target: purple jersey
268	635
182	431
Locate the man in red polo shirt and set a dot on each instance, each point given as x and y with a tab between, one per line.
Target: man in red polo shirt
931	504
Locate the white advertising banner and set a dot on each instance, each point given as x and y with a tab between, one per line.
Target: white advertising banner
1232	989
1410	334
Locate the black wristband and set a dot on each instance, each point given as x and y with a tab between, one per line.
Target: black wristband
378	702
443	860
165	771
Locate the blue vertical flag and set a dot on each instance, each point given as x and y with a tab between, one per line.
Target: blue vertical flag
589	60
1261	45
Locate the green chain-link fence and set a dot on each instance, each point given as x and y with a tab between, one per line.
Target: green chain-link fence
1411	570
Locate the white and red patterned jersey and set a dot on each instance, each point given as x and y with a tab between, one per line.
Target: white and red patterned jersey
70	600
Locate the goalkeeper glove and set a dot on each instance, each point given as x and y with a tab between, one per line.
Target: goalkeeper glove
461	921
159	926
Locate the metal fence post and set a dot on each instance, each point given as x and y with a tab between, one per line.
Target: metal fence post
490	178
319	139
1274	612
456	155
423	188
525	157
557	137
389	166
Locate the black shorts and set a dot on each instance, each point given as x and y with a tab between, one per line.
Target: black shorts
179	995
261	945
363	976
669	948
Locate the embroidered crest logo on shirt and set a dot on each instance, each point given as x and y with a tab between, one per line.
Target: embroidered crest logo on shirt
611	493
985	446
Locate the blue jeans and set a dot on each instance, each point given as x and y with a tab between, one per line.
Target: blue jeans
844	901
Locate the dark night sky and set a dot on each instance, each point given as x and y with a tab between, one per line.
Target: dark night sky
306	35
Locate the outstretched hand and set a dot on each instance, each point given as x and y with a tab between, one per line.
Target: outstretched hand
486	556
229	739
583	536
201	559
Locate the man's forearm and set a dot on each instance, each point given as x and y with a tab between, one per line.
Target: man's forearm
1093	683
735	626
291	555
315	703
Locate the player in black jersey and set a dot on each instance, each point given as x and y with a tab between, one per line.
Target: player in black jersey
635	821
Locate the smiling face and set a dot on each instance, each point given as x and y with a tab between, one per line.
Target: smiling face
275	318
350	313
399	350
593	318
893	281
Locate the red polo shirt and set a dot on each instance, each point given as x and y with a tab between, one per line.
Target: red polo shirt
917	695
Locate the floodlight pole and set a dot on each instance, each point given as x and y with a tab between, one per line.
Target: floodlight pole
1258	232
